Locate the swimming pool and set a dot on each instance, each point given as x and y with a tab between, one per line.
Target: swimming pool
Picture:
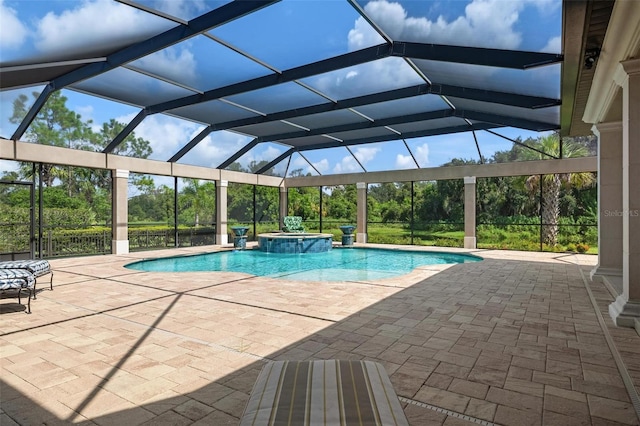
353	264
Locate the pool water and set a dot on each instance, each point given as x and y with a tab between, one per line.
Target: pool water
354	264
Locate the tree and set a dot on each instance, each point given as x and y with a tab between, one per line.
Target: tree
199	198
552	183
55	125
131	146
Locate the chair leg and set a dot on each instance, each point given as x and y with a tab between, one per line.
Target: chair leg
29	300
51	281
35	283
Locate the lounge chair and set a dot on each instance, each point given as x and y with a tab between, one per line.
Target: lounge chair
331	392
37	267
18	280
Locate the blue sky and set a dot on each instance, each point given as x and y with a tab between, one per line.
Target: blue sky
284	35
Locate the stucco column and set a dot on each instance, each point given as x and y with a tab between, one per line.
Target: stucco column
625	311
221	212
120	212
284	207
610	210
361	225
470	212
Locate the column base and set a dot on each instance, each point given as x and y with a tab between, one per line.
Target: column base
222	239
469	242
625	313
119	246
603	271
361	237
611	278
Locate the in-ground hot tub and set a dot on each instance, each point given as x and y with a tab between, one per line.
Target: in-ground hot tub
292	243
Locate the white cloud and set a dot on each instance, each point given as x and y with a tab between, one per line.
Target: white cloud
385	74
421	154
366	154
348	164
268	154
174	63
322	166
486	23
165	134
554	45
404	162
13	32
111	23
215	148
180	8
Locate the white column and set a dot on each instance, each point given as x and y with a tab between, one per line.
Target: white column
625	311
361	225
610	210
470	212
120	212
221	212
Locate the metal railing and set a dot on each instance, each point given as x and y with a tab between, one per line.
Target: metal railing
66	240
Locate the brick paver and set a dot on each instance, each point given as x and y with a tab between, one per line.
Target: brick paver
513	340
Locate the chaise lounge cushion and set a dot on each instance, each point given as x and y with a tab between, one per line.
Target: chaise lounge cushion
37	267
16	279
332	392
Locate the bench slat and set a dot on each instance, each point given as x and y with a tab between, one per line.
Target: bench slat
331	392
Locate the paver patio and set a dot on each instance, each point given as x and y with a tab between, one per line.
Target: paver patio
518	339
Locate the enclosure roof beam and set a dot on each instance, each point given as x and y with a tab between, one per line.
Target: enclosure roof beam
192	143
423	116
407	135
238	154
501	58
504	120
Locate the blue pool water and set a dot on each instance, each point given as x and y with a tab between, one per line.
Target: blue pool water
355	264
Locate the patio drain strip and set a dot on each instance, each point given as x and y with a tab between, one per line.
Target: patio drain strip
626	378
447	412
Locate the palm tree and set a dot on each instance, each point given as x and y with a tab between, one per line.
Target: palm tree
552	183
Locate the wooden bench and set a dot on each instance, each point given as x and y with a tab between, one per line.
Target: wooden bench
332	393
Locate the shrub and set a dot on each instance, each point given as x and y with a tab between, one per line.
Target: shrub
582	248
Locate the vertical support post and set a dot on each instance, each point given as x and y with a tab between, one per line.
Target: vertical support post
470	212
609	199
412	211
40	213
361	226
625	311
320	224
176	243
540	201
284	207
221	212
120	212
255	210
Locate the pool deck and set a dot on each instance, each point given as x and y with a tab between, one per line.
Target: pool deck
519	339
